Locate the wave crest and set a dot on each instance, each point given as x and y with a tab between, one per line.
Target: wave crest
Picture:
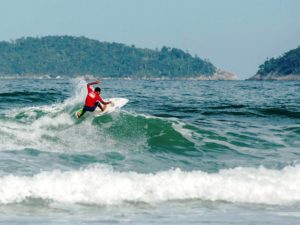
102	186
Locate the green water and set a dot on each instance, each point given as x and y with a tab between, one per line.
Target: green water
179	152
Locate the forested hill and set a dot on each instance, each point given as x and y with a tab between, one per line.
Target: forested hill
286	67
71	56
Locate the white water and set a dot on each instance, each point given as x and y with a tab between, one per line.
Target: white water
57	130
102	186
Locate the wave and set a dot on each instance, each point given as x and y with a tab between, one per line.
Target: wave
233	113
168	142
21	94
280	112
103	186
240	110
55	128
232	106
19	98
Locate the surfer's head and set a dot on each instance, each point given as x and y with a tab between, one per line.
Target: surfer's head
97	89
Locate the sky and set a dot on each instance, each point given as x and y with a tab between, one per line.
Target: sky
235	35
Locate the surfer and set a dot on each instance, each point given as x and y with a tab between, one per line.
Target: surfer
93	100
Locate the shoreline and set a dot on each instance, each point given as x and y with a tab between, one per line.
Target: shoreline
135	79
219	75
278	77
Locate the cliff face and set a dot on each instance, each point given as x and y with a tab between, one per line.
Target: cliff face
285	67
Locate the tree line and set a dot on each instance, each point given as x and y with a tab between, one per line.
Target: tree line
288	63
71	56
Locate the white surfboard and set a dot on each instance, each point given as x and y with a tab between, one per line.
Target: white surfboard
116	104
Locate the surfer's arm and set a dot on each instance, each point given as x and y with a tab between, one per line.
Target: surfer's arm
103	102
92	83
95	82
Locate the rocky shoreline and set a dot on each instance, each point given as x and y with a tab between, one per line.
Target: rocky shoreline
272	76
219	75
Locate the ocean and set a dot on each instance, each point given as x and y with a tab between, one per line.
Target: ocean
180	152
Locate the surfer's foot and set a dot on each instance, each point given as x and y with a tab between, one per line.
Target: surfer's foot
79	113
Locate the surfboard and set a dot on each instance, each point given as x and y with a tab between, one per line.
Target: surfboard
116	104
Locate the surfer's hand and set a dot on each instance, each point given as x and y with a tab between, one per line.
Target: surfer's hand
95	82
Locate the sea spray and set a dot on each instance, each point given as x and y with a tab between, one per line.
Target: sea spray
103	186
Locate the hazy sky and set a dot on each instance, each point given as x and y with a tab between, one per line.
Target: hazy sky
235	35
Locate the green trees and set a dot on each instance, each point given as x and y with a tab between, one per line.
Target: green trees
67	55
289	63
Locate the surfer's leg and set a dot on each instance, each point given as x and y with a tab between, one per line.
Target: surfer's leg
81	112
98	104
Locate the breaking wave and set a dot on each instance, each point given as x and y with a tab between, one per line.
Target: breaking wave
103	186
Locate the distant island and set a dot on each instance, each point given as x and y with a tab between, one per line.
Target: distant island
286	67
68	56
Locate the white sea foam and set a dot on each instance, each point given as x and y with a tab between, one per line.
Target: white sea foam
77	97
53	133
102	186
31	133
56	130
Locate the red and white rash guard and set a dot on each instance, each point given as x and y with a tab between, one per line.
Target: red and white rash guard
92	97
